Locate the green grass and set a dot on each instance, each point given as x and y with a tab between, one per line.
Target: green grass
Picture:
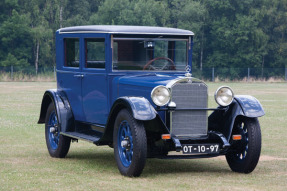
26	165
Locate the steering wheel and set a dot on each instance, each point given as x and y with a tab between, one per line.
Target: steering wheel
148	65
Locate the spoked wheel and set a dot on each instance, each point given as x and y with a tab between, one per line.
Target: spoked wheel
130	147
57	144
243	155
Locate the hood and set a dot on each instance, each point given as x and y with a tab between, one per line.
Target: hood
147	80
141	85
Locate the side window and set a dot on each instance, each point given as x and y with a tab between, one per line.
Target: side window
95	53
72	52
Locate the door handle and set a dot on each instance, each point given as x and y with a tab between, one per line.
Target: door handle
79	76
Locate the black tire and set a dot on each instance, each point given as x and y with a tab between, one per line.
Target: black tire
130	145
243	155
57	144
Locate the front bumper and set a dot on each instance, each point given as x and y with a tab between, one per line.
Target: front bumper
212	138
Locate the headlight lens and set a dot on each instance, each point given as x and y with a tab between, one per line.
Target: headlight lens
224	96
160	95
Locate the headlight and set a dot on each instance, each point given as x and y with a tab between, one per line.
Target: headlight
224	96
160	95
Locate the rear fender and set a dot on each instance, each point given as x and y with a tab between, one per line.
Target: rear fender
222	120
63	109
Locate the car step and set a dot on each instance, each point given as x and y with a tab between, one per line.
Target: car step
90	138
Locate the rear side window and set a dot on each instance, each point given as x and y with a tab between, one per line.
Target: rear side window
72	52
95	53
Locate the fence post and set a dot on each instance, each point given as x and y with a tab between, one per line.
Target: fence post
213	74
248	74
55	73
12	72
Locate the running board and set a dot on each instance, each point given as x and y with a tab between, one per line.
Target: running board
76	135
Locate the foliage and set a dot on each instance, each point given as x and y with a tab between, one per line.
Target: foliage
228	33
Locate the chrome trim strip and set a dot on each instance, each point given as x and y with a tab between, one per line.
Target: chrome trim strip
183	79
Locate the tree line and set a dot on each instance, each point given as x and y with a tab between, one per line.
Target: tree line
228	33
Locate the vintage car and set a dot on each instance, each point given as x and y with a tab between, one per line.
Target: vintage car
131	87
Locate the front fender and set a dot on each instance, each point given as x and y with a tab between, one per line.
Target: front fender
63	109
222	120
140	107
250	106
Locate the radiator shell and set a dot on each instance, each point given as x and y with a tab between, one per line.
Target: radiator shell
191	123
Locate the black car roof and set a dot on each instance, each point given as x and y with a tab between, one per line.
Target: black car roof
121	29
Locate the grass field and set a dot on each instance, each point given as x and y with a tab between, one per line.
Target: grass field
26	165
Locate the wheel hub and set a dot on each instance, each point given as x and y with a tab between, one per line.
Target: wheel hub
126	143
54	129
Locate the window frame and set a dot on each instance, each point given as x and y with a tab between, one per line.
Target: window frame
86	53
65	63
187	40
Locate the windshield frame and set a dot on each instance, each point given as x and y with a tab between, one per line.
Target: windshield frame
187	39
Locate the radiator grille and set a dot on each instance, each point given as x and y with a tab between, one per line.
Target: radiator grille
192	123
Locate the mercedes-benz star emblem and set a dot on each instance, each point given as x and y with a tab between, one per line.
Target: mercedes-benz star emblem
187	69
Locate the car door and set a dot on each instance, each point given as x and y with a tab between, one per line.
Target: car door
69	72
94	83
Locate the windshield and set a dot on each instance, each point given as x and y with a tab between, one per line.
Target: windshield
150	54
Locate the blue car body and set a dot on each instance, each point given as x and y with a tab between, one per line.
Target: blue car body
92	89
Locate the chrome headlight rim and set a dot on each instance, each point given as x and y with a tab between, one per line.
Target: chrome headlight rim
217	95
156	101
